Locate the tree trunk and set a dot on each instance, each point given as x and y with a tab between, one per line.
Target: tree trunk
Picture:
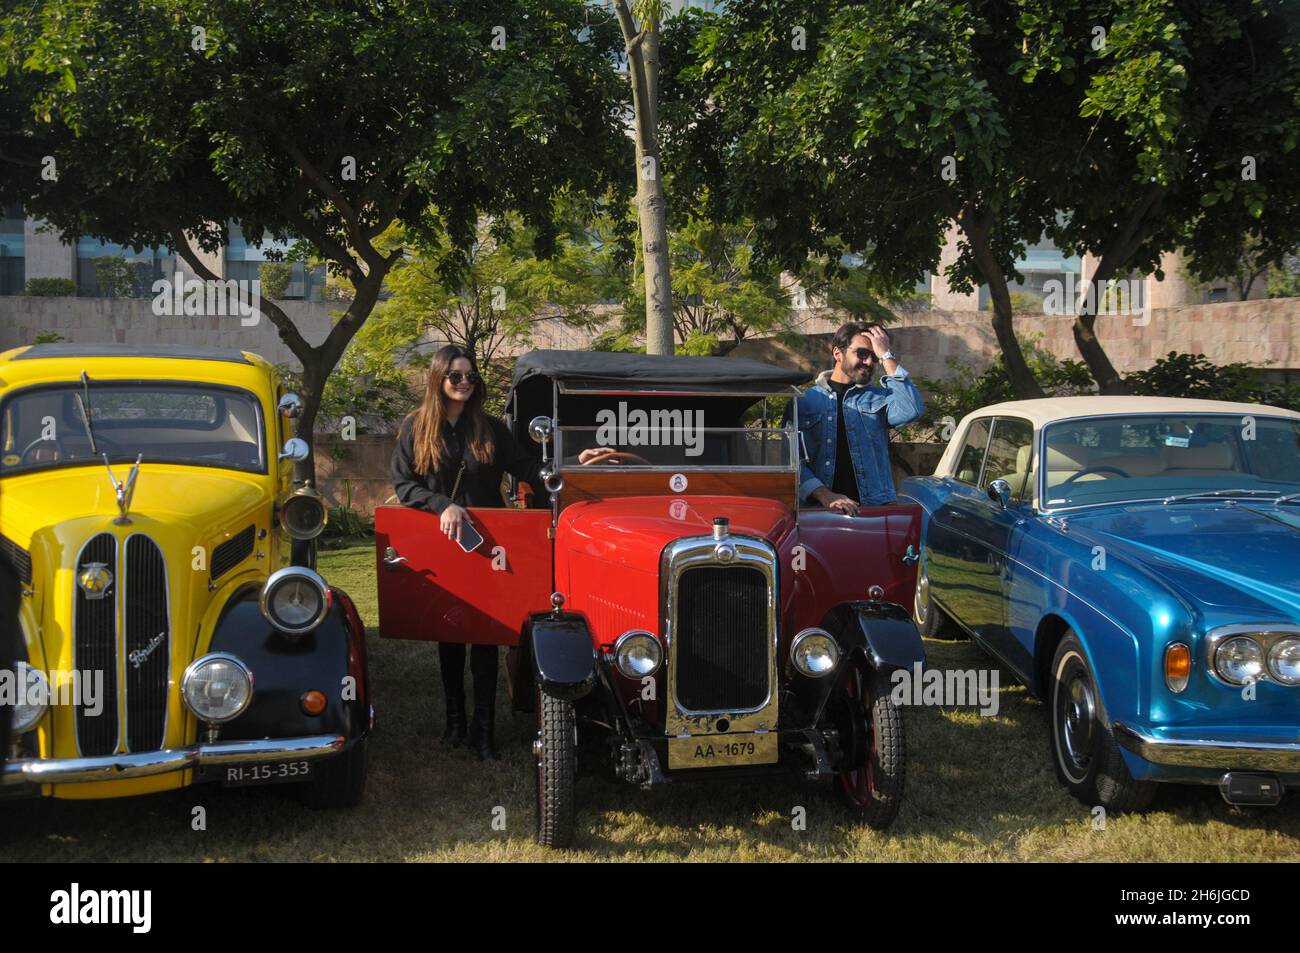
1085	336
652	206
1022	378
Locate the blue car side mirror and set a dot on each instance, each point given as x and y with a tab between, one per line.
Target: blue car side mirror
1000	492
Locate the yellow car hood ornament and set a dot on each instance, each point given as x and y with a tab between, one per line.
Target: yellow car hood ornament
123	489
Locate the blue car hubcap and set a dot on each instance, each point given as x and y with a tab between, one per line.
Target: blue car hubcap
1078	721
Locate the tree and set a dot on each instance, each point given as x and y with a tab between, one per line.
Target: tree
1184	138
1284	277
166	121
1110	127
499	297
720	297
641	34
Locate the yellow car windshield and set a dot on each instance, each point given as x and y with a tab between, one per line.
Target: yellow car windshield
202	425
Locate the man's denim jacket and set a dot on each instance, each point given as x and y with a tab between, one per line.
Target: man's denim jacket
869	412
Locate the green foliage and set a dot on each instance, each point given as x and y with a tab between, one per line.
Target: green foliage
1015	119
274	277
1193	375
966	391
1284	278
365	385
496	300
51	287
322	122
48	337
115	276
1020	301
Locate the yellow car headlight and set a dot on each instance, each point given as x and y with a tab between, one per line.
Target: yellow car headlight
31	698
217	687
295	600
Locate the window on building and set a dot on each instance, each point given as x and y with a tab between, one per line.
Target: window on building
244	262
12	260
108	270
1044	267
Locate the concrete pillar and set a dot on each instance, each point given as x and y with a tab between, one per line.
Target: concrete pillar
1178	289
46	254
943	297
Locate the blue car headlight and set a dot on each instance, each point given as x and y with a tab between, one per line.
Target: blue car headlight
1239	660
1284	661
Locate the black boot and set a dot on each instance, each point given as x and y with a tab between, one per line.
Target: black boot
452	663
481	730
483	666
453	736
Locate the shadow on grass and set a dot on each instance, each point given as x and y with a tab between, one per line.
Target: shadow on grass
978	789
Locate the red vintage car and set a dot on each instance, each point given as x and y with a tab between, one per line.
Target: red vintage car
669	608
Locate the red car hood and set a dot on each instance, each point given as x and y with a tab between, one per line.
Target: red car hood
632	531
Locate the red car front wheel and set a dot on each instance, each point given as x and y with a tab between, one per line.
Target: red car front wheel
871	736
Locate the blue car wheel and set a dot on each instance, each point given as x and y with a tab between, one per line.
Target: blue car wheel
1087	758
930	619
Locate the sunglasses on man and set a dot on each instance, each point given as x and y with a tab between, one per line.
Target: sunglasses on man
457	376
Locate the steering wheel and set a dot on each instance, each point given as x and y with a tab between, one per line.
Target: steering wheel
1086	470
37	445
617	456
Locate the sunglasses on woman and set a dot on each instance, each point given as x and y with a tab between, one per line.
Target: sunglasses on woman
457	376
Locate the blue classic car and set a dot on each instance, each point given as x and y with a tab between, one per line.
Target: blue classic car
1136	562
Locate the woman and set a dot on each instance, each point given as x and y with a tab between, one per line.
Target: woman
451	454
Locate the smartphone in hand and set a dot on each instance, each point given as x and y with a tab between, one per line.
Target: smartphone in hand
470	539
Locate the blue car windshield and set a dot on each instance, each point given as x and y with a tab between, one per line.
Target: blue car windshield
196	424
1157	456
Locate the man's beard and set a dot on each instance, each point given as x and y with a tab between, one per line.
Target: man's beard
857	372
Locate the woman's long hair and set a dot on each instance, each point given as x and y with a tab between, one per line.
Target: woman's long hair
430	448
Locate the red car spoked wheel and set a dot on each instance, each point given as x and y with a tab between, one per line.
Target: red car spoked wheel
871	737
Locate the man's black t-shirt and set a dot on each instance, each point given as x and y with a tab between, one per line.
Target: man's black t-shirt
846	481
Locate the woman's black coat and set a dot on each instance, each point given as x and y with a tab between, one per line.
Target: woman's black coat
480	484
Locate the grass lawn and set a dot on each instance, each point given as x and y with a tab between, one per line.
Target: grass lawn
977	789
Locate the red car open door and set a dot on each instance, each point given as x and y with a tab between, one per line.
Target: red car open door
432	590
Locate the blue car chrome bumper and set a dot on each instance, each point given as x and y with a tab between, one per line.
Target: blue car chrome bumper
1219	754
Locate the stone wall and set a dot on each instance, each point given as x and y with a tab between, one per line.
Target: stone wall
132	321
1265	333
358	470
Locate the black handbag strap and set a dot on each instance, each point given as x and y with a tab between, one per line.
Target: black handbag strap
456	486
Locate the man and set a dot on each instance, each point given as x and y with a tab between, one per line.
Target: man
844	422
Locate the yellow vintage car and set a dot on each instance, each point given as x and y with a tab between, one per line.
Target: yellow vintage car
175	629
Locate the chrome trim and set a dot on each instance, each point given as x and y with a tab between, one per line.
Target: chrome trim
289	405
691	552
280	575
167	602
122	767
614	389
211	656
1282	757
1264	633
119	637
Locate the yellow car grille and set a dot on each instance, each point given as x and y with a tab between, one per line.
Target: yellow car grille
140	647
